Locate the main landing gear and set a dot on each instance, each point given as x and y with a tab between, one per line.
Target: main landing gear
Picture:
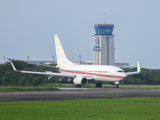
98	84
77	85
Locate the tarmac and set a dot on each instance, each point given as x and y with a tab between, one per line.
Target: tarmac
69	93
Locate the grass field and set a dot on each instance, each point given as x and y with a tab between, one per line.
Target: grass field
104	85
95	109
52	86
16	89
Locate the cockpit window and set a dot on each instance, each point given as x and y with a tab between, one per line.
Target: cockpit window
120	71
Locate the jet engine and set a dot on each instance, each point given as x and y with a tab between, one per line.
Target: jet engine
79	80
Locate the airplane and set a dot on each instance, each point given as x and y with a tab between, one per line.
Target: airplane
81	74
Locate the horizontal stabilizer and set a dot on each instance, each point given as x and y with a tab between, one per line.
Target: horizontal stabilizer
49	66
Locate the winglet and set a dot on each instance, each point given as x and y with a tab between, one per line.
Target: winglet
136	72
138	67
14	68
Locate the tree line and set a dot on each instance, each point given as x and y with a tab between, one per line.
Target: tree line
146	77
9	77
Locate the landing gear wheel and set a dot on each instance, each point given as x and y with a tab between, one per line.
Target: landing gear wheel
77	85
116	86
98	84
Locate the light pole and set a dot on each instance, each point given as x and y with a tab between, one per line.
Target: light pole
28	58
79	59
53	58
4	59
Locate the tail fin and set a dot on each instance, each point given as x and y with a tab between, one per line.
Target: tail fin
61	56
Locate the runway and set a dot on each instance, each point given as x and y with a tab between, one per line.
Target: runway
68	93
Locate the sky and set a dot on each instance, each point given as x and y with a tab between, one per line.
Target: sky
27	28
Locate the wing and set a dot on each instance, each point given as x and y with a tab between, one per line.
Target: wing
48	73
136	72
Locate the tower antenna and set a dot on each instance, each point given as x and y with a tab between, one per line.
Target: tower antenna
104	18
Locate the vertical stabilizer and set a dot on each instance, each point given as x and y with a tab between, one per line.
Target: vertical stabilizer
61	56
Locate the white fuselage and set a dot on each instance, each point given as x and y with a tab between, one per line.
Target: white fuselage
97	72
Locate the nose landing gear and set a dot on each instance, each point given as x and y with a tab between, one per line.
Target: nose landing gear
116	86
77	85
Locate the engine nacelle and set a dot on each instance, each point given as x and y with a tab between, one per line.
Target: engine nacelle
80	80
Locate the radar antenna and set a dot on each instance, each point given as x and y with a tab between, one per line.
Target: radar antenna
104	18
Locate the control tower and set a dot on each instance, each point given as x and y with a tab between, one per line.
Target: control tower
103	45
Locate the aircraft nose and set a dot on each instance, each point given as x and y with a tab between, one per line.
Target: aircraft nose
124	75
